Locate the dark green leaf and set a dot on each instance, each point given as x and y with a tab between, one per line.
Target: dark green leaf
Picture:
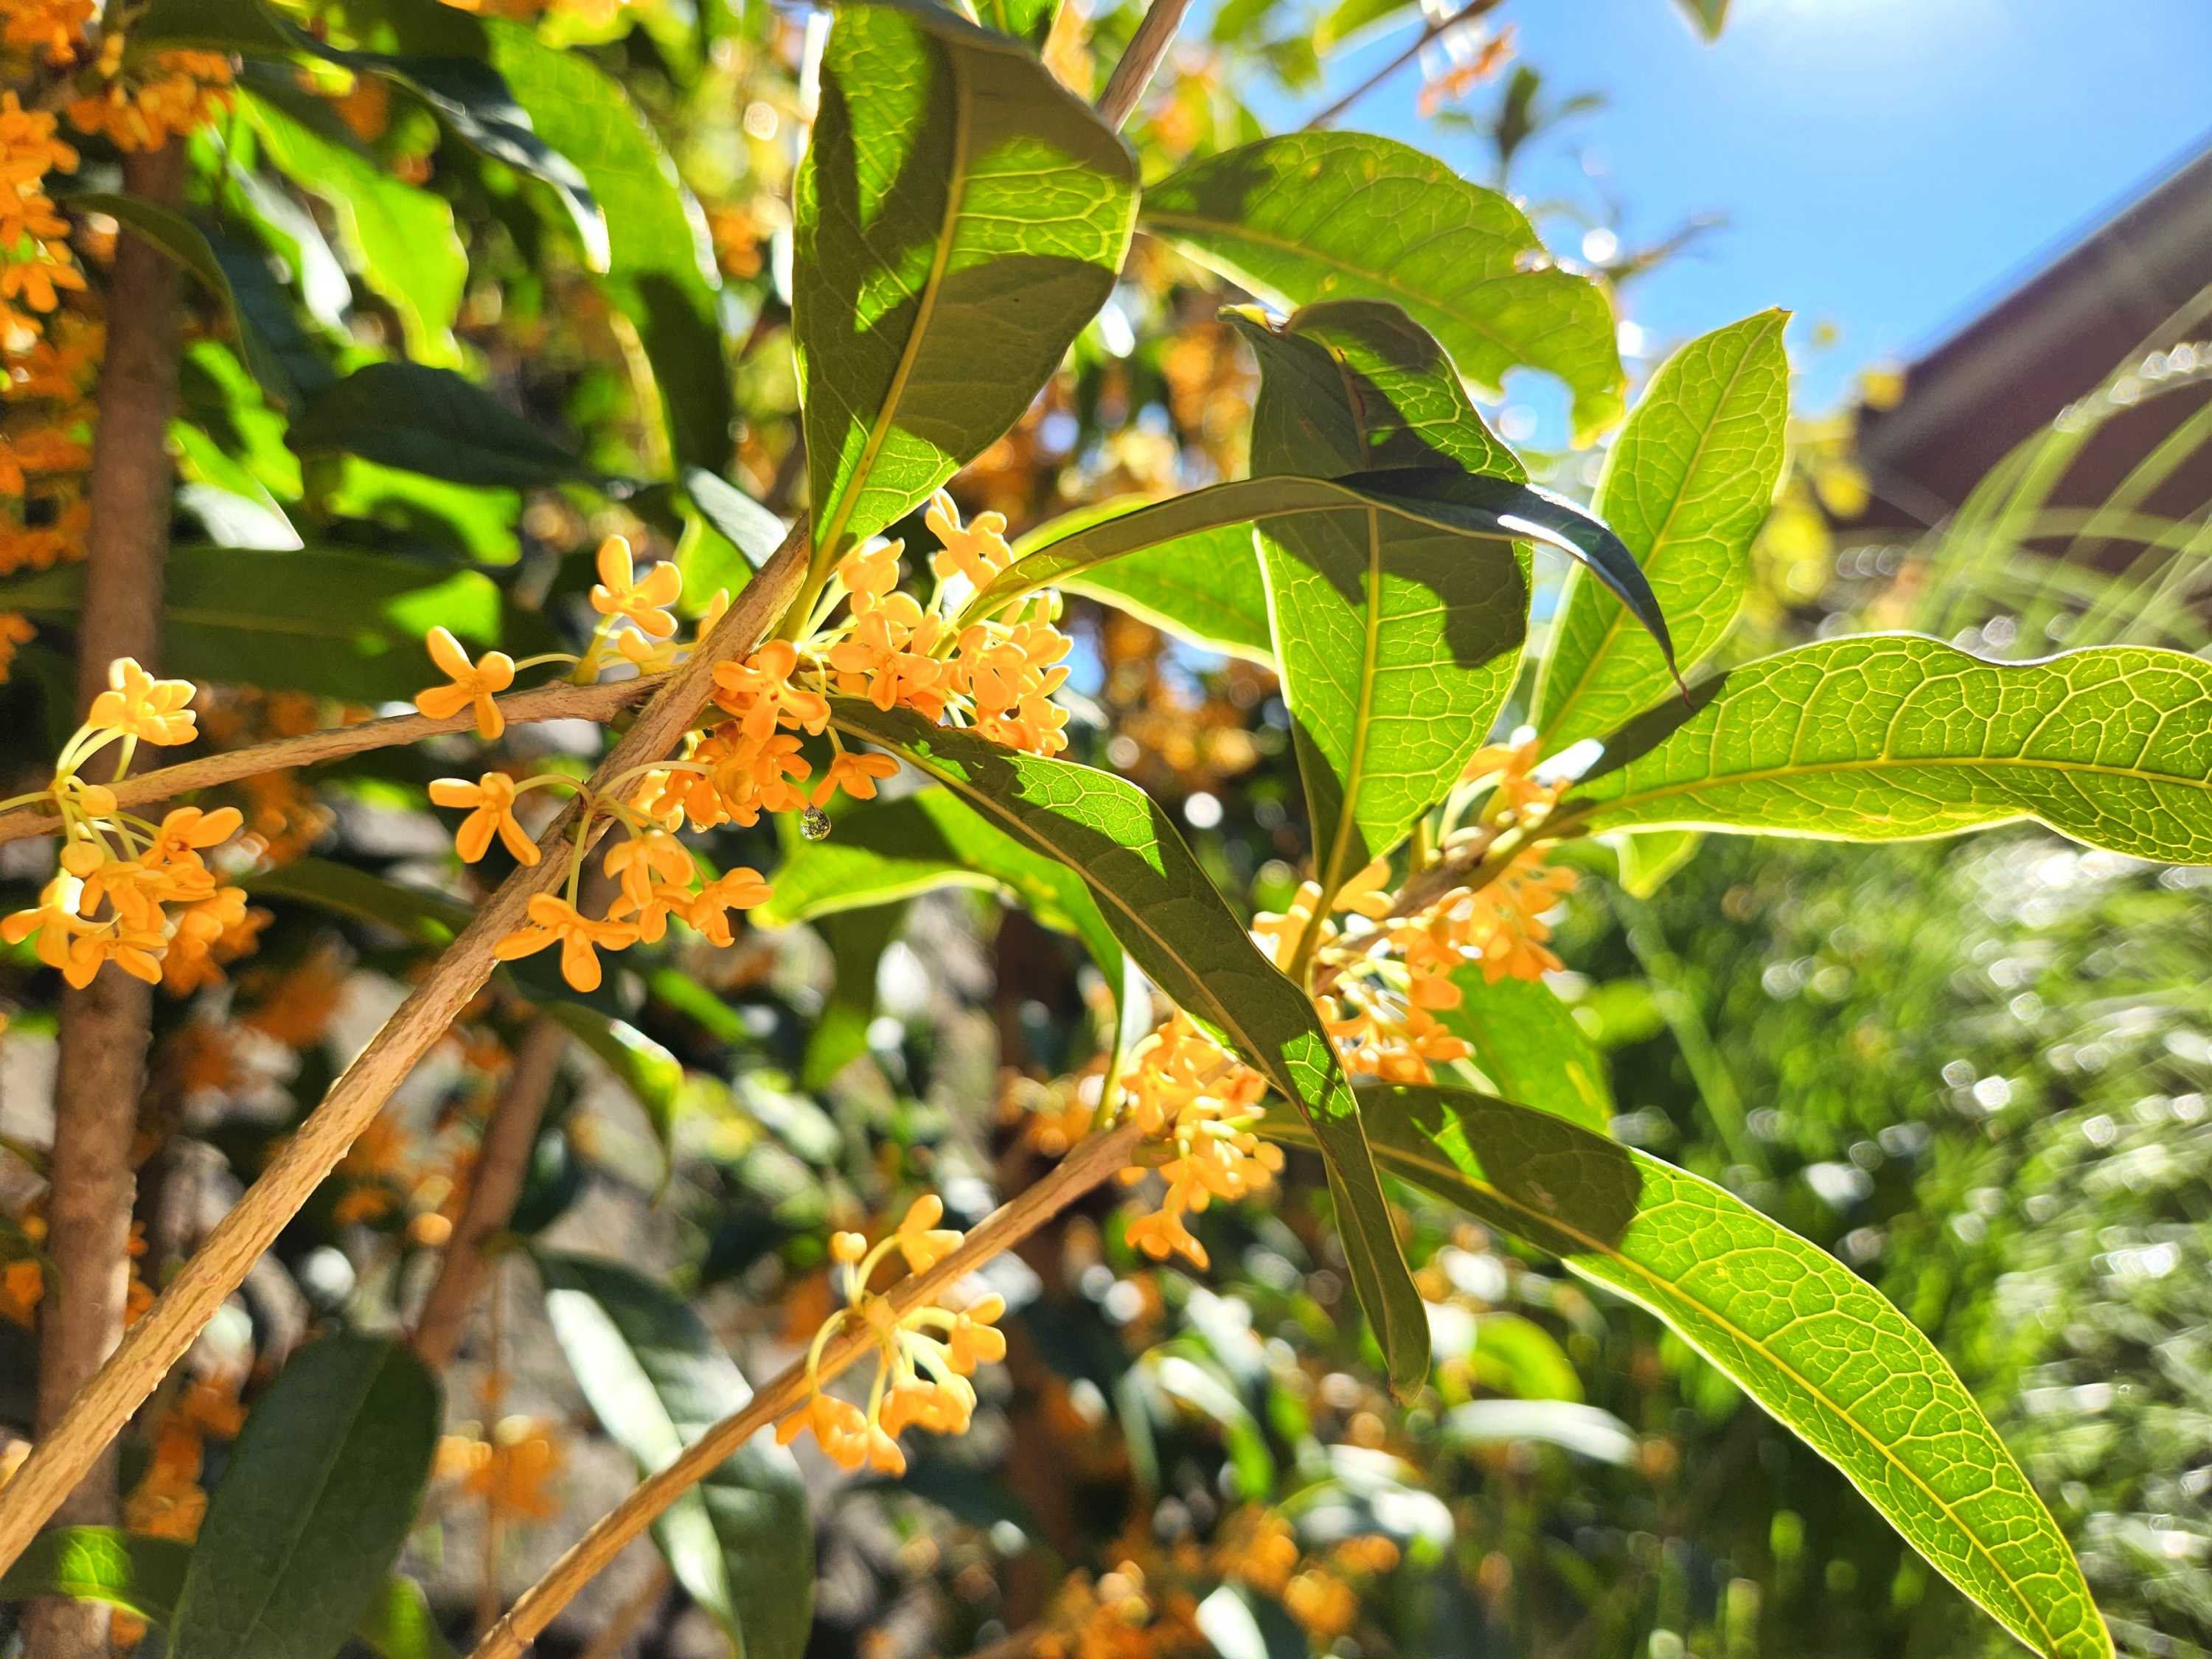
435	421
341	890
740	1542
1336	215
1685	487
1169	916
319	1495
184	241
961	215
337	623
1892	737
1526	1043
661	271
1786	1322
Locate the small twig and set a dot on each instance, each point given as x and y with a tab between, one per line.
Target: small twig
1147	47
101	1407
503	1164
1091	1164
1440	27
559	701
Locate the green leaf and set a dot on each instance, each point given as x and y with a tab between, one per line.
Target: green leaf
1791	1326
1336	215
1647	859
142	1576
1029	21
1204	587
1169	916
1354	386
740	1541
1242	1623
434	422
960	216
661	271
1526	1043
653	1077
445	67
1708	14
880	851
1687	486
319	1495
184	242
1892	737
398	1623
423	917
857	940
401	238
337	623
1585	1430
1428	498
1397	641
1349	18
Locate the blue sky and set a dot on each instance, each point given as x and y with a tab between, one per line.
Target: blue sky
1887	167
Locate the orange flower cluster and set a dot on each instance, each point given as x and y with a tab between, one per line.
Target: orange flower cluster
50	30
1186	1088
35	263
163	95
511	1472
924	1357
46	429
168	1501
130	892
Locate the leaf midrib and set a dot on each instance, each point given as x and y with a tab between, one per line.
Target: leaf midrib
1773	774
955	196
1611	628
1598	1247
1347	808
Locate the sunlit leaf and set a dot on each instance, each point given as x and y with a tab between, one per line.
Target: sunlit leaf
960	216
1336	215
740	1541
1791	1326
1397	640
140	1576
400	238
883	851
318	1496
1687	486
1526	1043
1204	587
1891	737
1169	917
1585	1430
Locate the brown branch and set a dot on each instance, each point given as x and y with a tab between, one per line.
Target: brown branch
558	701
105	1026
156	1341
1091	1164
1436	30
1147	47
501	1167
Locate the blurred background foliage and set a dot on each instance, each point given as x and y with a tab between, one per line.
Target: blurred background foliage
1979	1072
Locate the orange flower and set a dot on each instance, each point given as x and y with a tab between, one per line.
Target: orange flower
977	551
621	591
492	799
139	706
473	684
556	921
856	774
708	911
